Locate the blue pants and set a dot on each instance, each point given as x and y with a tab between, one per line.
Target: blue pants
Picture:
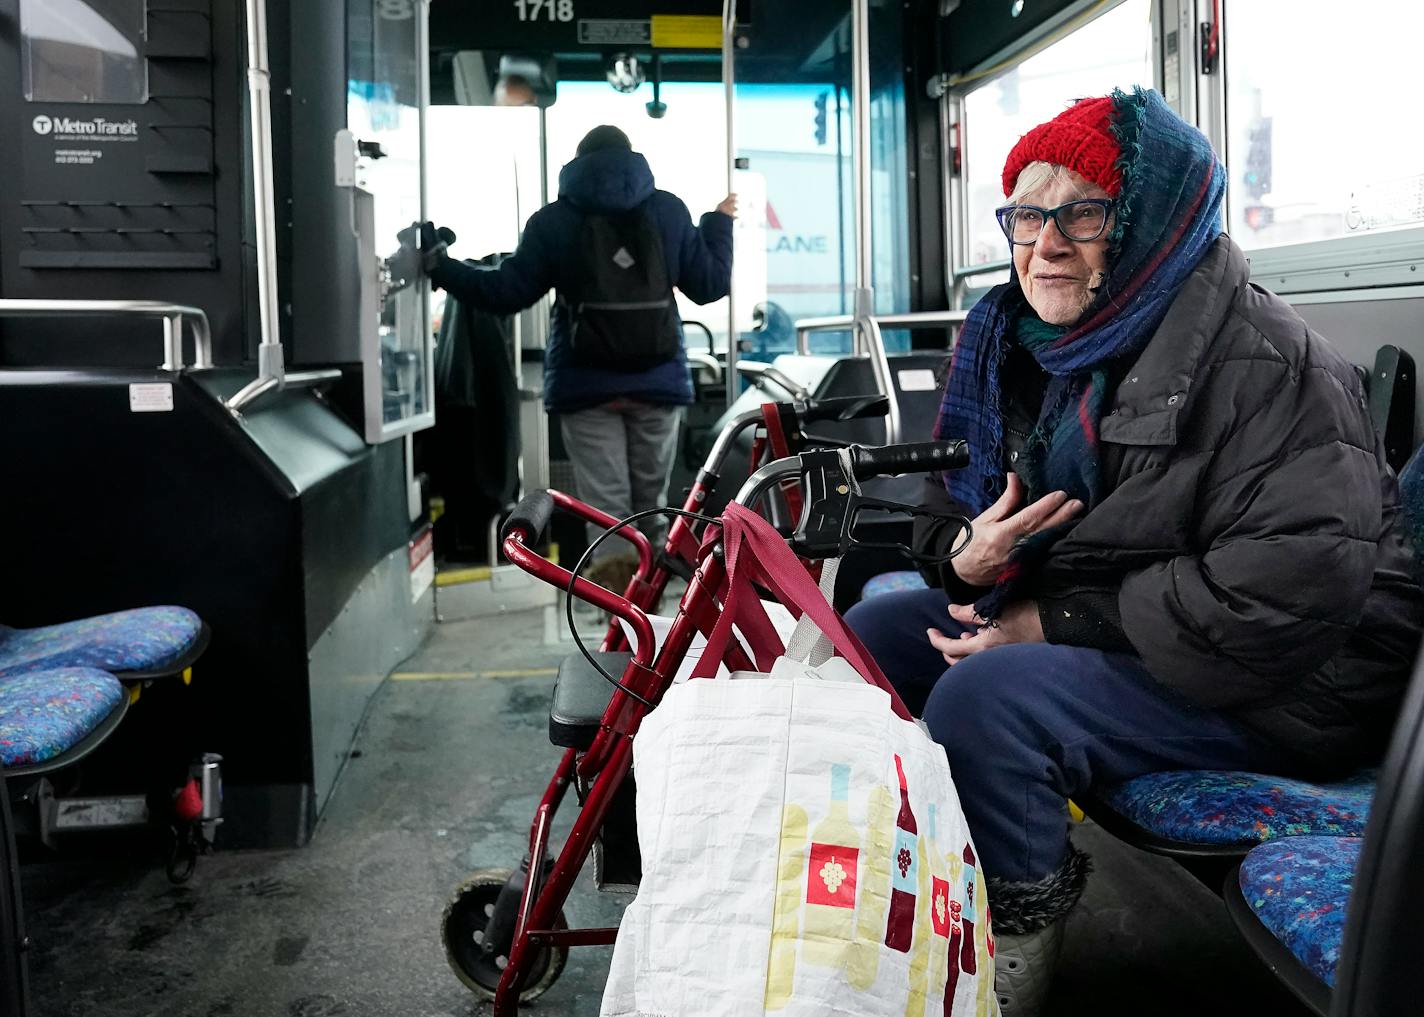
1030	725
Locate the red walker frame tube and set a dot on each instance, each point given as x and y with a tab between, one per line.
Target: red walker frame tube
542	900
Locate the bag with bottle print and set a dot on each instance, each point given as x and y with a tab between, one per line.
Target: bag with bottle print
804	852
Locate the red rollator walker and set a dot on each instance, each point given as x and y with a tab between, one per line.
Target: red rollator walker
505	932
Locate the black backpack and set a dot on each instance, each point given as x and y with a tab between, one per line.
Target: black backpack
620	305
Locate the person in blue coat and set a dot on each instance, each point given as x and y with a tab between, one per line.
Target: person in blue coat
619	426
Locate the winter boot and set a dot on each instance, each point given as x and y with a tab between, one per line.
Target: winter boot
1028	920
1023	969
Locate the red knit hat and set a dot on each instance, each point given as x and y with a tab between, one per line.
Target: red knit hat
1079	138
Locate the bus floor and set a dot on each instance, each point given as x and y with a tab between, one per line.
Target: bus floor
443	780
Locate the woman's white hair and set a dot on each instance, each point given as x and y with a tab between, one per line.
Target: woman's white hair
1034	177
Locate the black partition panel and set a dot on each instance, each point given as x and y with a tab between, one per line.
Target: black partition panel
108	509
139	197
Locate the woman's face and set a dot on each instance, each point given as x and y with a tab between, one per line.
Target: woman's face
1058	275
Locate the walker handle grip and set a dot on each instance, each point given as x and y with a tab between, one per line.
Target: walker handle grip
913	457
531	516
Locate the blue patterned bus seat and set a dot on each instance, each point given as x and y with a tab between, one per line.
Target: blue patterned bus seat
46	713
142	639
892	582
1299	888
1225	807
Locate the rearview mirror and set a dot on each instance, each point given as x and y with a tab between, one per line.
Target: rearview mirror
492	78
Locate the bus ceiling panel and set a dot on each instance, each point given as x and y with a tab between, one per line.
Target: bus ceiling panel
976	30
783	43
560	26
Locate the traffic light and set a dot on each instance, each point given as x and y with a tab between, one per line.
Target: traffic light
821	117
1258	158
1258	217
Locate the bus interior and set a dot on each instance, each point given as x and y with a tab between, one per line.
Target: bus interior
227	386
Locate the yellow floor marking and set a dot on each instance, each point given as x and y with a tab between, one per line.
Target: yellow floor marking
454	577
447	676
479	573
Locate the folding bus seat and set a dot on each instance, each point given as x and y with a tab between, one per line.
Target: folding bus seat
49	719
136	645
1289	900
52	718
1204	814
892	582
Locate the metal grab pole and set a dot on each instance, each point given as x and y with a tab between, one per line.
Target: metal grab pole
860	132
259	95
729	25
866	334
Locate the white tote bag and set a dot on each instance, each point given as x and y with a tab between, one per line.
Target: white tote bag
804	853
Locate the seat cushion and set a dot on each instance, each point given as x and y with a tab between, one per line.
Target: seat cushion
1411	500
1299	887
1226	807
581	695
143	639
892	582
45	713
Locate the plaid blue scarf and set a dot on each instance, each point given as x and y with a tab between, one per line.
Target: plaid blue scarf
1167	216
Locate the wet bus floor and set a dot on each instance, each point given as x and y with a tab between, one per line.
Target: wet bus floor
443	780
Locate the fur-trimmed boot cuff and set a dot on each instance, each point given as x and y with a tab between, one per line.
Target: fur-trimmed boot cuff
1021	908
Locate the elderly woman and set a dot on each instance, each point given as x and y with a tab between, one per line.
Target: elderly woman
1187	550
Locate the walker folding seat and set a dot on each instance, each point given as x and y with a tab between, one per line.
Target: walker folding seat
136	645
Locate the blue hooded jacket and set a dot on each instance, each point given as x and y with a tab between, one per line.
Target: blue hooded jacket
608	180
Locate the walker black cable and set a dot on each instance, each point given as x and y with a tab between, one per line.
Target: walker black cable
577	573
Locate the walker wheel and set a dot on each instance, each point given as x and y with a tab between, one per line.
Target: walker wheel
462	929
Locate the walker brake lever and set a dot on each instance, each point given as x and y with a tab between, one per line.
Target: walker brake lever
833	505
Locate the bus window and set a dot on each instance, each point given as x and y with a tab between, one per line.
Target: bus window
1310	156
482	174
1113	51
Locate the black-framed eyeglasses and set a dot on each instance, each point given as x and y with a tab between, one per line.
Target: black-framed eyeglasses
1081	221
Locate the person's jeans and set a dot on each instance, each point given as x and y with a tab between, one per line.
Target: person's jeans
622	454
1029	725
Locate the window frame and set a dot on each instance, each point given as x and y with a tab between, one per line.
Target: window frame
1074	17
1357	263
1366	266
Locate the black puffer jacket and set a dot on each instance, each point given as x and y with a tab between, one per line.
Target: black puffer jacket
1250	546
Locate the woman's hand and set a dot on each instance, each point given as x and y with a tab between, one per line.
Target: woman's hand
1018	624
728	205
1000	526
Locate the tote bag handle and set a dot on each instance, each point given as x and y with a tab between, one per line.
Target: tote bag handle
756	553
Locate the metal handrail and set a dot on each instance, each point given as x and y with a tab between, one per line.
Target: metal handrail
759	372
270	359
708	361
262	384
880	365
172	316
729	93
964	271
846	323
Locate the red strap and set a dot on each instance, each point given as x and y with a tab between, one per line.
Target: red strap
780	449
737	590
754	551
